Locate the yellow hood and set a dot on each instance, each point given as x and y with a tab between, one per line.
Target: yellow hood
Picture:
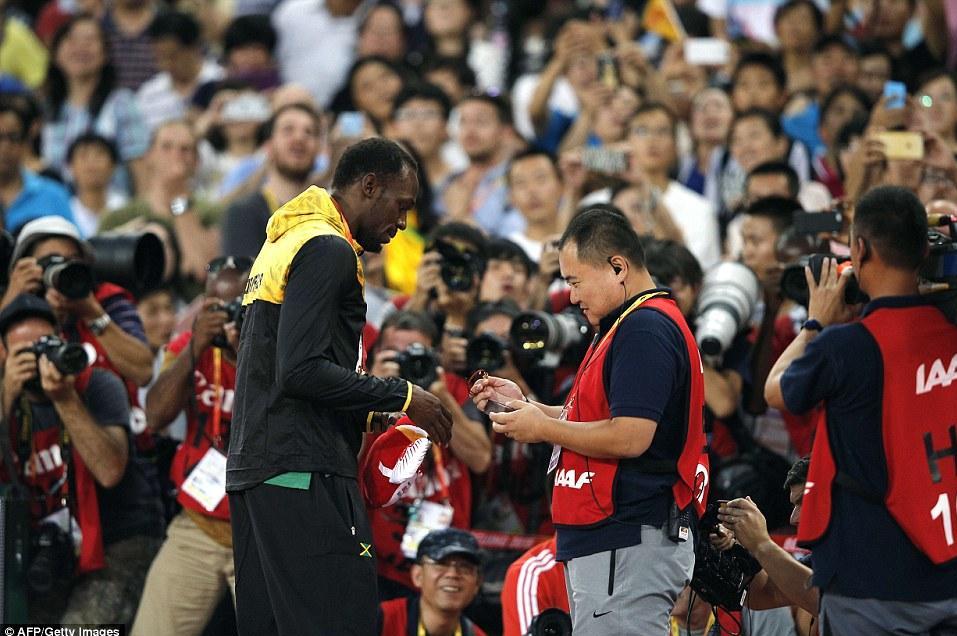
314	204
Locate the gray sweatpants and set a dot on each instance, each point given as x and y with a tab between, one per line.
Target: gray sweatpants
846	616
631	590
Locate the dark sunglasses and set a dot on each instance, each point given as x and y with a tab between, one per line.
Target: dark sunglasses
218	264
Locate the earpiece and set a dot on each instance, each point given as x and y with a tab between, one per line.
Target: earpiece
614	267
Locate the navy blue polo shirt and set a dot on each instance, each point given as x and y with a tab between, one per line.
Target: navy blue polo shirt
646	375
864	553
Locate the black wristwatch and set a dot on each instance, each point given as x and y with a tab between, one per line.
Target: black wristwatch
812	325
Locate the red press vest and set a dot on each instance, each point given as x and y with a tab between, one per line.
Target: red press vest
214	388
918	430
584	486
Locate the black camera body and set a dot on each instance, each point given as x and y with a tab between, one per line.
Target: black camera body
234	314
53	558
794	284
418	364
485	351
721	578
72	278
68	357
458	267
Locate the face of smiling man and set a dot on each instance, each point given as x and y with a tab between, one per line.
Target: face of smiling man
448	585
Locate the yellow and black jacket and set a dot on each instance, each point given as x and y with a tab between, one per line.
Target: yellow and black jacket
300	403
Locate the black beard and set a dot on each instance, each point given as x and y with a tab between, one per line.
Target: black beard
293	174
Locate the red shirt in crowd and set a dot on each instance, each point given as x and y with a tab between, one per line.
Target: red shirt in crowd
534	583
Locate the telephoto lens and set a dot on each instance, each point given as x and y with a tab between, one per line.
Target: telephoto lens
728	297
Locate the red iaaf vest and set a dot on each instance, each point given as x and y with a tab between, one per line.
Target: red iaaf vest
214	387
44	473
584	486
918	430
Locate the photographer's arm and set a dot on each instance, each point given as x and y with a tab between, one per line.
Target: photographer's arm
826	305
787	577
130	356
170	393
103	446
722	391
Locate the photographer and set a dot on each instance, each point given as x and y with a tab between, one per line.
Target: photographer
71	450
874	466
783	580
195	564
448	283
106	318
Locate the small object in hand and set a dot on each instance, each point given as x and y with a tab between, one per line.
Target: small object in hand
491	406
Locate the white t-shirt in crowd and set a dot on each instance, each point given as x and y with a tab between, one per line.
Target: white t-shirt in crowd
696	219
315	49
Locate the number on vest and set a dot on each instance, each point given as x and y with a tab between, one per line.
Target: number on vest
942	509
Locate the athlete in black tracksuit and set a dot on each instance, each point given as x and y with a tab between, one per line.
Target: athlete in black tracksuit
302	544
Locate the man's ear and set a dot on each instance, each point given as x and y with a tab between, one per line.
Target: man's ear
370	185
863	248
417	576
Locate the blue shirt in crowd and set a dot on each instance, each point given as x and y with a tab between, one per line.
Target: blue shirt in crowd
39	197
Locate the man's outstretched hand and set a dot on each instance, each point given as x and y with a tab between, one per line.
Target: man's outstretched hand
426	411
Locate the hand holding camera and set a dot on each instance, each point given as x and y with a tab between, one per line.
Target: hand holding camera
56	385
826	302
745	521
26	278
208	325
20	368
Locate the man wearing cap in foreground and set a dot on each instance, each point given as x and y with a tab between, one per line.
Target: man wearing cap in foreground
72	453
447	573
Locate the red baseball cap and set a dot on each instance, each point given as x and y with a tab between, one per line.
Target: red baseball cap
394	460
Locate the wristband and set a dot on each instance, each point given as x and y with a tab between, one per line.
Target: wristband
812	325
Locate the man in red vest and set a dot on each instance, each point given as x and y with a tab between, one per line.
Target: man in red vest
627	443
879	504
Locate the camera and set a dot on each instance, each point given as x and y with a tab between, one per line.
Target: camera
794	284
234	313
551	622
721	578
133	261
418	364
485	351
458	267
53	558
545	337
72	278
728	297
68	357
